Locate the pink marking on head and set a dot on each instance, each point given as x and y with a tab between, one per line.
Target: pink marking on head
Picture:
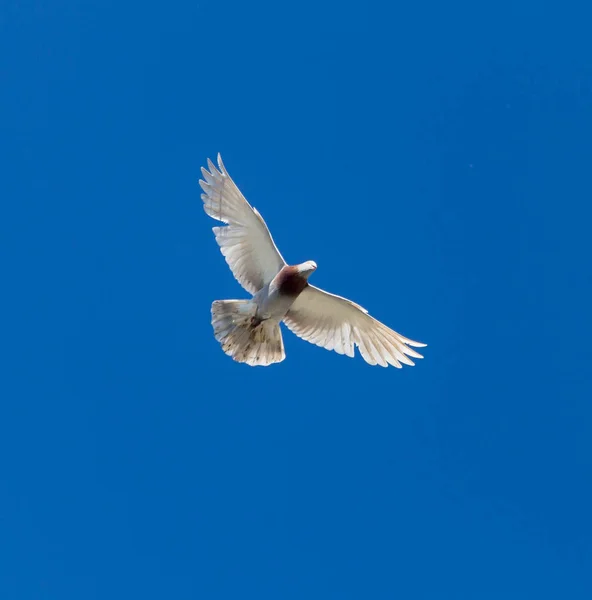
290	281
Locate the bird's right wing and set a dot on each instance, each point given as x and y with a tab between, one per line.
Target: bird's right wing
336	323
246	242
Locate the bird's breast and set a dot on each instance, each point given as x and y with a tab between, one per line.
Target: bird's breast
290	282
274	301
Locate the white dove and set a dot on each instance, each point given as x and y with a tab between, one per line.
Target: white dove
249	330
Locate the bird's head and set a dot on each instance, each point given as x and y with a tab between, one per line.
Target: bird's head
306	269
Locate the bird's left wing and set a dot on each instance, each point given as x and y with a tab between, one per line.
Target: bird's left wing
336	323
246	242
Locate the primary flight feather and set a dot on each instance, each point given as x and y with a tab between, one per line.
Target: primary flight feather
249	330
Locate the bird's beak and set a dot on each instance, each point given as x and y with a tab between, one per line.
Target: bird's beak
307	268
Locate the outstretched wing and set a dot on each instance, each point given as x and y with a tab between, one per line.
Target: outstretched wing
245	242
336	323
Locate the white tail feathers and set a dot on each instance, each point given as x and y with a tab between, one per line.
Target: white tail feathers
244	337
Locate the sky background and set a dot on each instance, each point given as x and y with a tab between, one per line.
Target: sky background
434	160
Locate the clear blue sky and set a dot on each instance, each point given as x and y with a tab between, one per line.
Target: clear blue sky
434	160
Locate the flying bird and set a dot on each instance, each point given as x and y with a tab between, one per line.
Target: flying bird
249	330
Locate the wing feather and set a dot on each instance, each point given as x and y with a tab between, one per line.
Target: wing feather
336	323
245	241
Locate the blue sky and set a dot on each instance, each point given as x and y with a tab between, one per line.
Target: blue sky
434	160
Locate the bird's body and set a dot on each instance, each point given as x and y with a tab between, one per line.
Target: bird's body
275	299
249	330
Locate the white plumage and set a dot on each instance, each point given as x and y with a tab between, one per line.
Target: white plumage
248	330
246	243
